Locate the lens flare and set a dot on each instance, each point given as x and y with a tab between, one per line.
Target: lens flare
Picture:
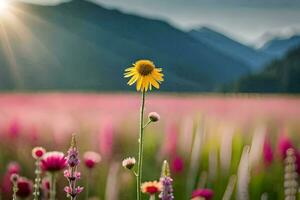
3	6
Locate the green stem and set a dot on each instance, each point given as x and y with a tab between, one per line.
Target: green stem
141	146
87	189
149	122
152	197
52	186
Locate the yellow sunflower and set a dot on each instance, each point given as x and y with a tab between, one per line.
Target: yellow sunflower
145	74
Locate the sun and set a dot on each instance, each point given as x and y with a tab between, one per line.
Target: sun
3	6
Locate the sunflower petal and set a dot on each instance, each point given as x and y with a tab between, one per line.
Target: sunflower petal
133	80
139	83
129	69
154	82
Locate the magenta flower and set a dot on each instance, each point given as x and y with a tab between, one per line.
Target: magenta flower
284	143
267	152
207	194
46	184
53	161
177	165
24	188
91	159
14	128
13	168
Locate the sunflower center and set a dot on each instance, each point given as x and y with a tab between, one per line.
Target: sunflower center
144	67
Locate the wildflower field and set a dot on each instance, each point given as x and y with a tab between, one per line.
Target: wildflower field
216	146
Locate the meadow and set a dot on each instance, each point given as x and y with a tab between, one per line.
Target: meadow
234	145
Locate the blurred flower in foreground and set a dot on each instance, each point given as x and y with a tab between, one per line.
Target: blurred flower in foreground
129	163
267	152
53	161
151	187
207	194
46	184
14	128
24	188
166	182
284	143
13	167
145	74
91	158
177	164
6	186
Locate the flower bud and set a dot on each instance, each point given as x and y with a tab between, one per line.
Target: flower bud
38	152
154	117
14	178
128	163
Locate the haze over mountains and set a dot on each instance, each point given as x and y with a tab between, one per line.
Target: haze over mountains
80	45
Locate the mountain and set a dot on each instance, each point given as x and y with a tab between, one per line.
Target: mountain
278	47
280	76
80	45
256	59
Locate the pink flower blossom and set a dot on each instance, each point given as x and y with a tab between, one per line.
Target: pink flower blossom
53	161
177	164
14	129
38	152
267	152
284	143
207	194
91	159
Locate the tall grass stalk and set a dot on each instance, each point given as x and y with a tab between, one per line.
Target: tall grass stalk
230	188
195	157
243	176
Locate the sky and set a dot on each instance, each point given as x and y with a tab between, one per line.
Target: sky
249	21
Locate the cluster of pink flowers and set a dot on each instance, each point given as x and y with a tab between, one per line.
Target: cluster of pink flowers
49	163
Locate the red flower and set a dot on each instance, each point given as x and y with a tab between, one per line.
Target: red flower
205	193
53	161
24	187
151	187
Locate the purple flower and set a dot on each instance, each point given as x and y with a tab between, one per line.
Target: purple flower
72	157
71	173
167	188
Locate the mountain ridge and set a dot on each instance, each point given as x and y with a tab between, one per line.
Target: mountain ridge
81	45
